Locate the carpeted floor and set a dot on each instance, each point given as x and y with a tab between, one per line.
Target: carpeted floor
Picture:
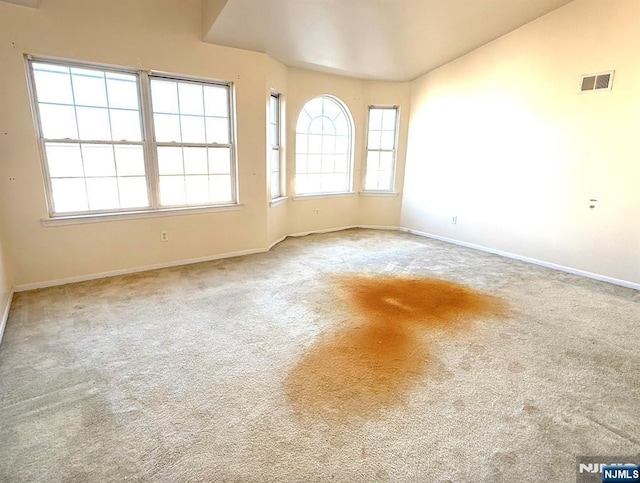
205	372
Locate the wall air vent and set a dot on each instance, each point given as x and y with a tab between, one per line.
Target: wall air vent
596	82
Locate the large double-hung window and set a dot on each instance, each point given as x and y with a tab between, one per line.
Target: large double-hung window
118	141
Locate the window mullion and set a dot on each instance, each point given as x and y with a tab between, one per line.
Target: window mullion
150	148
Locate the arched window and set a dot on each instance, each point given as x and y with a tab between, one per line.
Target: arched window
324	140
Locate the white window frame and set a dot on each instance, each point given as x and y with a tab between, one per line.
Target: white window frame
394	151
350	162
276	147
148	142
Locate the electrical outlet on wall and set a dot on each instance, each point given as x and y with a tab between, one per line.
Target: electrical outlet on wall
164	236
454	220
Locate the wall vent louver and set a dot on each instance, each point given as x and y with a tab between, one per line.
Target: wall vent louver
596	82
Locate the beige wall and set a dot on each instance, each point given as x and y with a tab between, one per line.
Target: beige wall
164	35
277	216
6	284
357	95
502	139
150	34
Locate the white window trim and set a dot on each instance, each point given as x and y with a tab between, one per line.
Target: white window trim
276	200
340	194
136	215
388	194
351	154
392	191
148	142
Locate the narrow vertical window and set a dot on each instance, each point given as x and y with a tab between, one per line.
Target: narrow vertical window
381	149
275	158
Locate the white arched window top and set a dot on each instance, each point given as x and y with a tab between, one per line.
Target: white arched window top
324	140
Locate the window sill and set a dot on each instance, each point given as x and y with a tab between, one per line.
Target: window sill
388	194
323	195
135	215
278	201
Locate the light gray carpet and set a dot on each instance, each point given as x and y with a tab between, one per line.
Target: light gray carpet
182	374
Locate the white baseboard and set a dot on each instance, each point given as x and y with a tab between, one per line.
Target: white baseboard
127	271
331	230
5	314
145	268
534	261
326	230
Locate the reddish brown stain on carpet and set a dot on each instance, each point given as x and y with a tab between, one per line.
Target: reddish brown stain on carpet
372	362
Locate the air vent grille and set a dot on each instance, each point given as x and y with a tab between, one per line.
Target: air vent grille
596	82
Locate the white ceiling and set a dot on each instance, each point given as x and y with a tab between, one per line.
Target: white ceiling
379	39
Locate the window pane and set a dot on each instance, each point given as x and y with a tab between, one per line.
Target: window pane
89	88
167	128
384	180
374	140
122	91
52	86
133	192
334	183
103	193
69	195
328	144
164	96
342	163
315	126
98	160
129	161
197	189
328	164
170	160
389	119
386	161
93	124
195	161
387	140
314	163
301	143
58	122
301	163
219	161
172	190
375	119
217	130
215	101
125	125
220	186
192	129
342	145
64	160
373	160
371	180
191	99
315	144
275	185
275	160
